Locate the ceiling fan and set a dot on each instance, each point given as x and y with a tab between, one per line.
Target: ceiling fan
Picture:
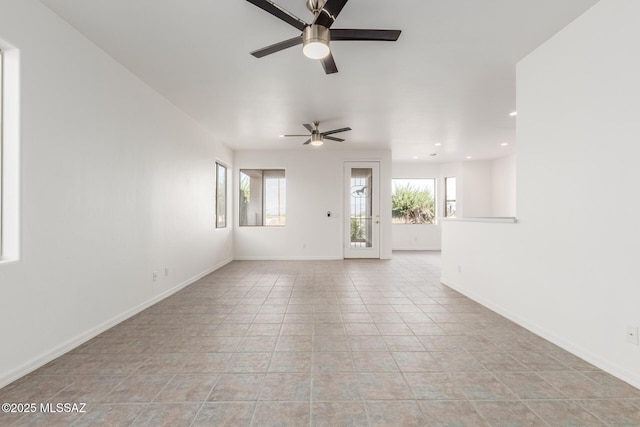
317	136
315	37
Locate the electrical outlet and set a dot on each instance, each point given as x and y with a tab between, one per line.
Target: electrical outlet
632	334
155	276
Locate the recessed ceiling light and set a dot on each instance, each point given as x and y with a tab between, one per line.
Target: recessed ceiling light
281	136
414	157
504	144
468	157
513	113
437	144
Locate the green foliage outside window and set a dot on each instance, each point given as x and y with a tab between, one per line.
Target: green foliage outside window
244	187
411	205
357	232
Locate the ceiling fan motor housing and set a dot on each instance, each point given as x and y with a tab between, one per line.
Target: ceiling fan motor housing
316	139
315	41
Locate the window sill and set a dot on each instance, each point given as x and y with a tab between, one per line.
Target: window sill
7	260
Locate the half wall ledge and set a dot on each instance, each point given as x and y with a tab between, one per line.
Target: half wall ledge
499	219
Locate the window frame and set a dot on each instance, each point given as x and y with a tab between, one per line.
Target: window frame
10	232
221	224
263	196
1	152
446	197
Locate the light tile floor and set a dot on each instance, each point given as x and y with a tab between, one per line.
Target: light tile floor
323	343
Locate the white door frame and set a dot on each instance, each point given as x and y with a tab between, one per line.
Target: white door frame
350	251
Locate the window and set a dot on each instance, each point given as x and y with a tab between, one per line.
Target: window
450	196
413	201
262	197
9	163
1	174
221	196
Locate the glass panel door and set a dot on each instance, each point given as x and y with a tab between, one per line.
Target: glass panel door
362	229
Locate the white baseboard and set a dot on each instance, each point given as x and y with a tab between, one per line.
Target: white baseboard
287	258
605	365
58	351
416	248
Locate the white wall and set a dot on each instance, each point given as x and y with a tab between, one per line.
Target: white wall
503	178
568	269
416	237
115	183
475	188
314	186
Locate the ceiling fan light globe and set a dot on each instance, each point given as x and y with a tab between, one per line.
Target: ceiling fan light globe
317	143
316	50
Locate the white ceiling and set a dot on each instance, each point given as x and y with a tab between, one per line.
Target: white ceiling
449	79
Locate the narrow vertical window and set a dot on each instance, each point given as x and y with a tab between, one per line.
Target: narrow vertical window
221	196
1	159
9	164
450	196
